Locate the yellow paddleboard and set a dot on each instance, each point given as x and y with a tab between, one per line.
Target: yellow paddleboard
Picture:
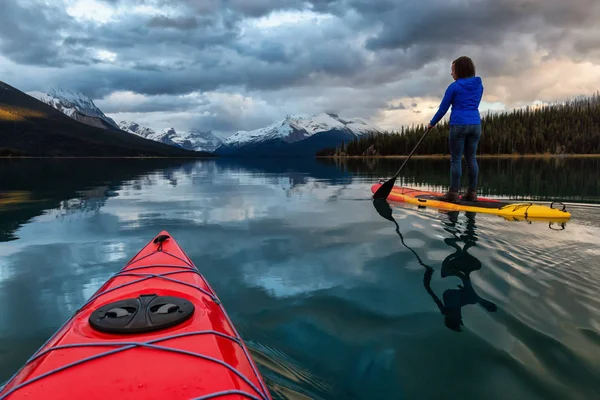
509	210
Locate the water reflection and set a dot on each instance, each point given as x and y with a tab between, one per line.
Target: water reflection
30	187
459	264
567	179
332	306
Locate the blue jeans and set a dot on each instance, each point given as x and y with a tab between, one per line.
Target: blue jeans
463	139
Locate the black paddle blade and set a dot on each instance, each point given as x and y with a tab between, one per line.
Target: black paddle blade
384	209
384	190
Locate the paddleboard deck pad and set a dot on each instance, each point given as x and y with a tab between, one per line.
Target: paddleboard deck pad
555	211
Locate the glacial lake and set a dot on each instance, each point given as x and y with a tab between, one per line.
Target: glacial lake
332	299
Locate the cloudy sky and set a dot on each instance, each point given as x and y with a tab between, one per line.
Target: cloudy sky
228	65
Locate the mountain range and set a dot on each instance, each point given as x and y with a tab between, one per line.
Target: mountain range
297	136
83	109
192	140
76	106
34	128
292	136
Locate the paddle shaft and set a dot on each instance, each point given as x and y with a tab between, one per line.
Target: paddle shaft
385	189
411	153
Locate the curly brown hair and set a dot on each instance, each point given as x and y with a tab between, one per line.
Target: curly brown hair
464	67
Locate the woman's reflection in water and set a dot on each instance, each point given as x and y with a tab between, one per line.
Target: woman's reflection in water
459	264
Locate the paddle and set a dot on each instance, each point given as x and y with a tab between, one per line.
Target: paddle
385	189
385	210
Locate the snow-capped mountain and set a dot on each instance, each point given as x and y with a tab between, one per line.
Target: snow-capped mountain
203	141
166	136
293	129
193	140
169	136
298	135
77	106
133	127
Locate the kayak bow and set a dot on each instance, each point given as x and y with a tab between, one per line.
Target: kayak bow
155	330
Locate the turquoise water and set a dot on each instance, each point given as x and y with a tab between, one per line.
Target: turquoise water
334	301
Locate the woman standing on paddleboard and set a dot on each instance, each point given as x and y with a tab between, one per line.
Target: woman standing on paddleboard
464	94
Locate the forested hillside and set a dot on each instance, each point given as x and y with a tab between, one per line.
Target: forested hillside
32	128
571	127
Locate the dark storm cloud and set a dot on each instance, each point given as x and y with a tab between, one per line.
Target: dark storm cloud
183	23
483	22
444	23
259	8
136	37
240	8
401	106
204	52
98	83
152	60
30	33
224	120
387	48
119	103
398	106
268	50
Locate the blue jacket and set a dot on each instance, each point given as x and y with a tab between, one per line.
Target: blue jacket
464	95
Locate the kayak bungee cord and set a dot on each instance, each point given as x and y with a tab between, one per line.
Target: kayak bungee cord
262	392
226	393
150	276
130	345
518	206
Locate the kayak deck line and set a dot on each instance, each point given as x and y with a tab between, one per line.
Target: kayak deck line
226	393
159	250
150	276
122	346
130	345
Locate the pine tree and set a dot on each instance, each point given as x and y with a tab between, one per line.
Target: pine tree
572	127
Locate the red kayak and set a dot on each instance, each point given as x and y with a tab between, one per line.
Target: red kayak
156	330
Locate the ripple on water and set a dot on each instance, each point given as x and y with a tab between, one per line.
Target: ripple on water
546	286
286	379
559	364
592	335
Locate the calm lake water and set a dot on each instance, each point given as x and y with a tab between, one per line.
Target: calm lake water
333	301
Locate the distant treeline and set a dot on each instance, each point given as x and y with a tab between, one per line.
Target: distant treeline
572	127
541	178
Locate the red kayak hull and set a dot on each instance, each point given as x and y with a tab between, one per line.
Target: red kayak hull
200	356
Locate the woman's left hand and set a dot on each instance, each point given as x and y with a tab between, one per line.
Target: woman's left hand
430	126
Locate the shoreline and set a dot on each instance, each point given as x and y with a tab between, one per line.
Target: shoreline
108	157
419	156
431	156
